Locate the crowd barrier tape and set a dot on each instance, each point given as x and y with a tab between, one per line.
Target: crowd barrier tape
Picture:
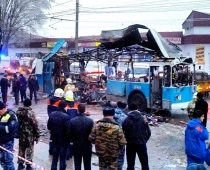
32	163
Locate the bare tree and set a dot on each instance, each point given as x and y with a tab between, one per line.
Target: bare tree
21	16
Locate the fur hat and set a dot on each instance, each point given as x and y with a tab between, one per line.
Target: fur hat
198	114
200	95
133	106
27	102
121	104
108	111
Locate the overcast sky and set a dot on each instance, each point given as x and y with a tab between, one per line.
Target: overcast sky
98	15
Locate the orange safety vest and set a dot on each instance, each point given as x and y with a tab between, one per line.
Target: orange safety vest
54	104
74	107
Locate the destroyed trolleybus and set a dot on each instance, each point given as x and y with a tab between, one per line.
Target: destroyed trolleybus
169	81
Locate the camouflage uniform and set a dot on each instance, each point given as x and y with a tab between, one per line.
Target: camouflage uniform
28	132
191	108
108	137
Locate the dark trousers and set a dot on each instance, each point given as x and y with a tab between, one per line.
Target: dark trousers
59	152
22	95
4	96
86	160
6	158
69	151
121	159
191	160
141	150
16	95
195	166
33	92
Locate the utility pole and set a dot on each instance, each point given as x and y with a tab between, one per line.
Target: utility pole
76	26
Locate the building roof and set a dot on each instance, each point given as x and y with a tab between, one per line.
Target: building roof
196	19
196	39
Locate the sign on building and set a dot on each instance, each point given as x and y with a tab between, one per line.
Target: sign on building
174	40
200	54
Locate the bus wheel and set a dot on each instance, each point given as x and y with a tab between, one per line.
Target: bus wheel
140	100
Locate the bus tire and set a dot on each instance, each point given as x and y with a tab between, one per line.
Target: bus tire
140	100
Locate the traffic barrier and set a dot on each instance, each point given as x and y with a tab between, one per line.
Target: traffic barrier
32	163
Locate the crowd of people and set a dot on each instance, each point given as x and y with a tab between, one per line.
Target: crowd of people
73	133
122	130
18	85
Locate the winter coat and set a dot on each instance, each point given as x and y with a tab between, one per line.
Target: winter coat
108	137
4	83
58	125
195	136
79	131
203	106
71	109
136	129
33	85
23	83
16	85
52	104
120	115
28	125
8	127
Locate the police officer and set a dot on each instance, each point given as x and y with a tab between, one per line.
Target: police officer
52	105
108	137
8	131
28	133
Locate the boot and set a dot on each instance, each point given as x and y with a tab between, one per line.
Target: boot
21	166
29	167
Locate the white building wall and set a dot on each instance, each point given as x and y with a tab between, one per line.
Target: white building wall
190	50
197	31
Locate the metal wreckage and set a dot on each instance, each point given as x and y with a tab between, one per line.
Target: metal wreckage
167	84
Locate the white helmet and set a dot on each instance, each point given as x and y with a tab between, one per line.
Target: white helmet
59	93
69	96
69	80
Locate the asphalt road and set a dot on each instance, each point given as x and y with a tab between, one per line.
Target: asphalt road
165	147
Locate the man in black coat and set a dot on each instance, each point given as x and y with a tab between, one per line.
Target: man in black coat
4	83
79	130
202	105
137	133
57	124
16	88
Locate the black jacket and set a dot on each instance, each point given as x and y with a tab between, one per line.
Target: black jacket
33	85
203	106
79	130
4	83
57	124
135	128
16	85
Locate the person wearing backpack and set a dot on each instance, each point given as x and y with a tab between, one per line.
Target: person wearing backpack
8	132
